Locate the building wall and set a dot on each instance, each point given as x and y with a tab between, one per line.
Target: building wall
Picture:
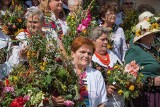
154	3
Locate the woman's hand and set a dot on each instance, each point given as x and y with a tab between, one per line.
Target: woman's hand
23	52
110	89
58	101
157	81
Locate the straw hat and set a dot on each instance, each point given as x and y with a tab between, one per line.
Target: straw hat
147	15
145	28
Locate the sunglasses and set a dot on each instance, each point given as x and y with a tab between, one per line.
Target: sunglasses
128	3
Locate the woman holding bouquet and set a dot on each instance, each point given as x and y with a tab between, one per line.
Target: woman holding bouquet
92	87
149	59
104	59
34	19
82	50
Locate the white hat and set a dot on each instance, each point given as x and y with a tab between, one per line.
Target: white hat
145	28
147	15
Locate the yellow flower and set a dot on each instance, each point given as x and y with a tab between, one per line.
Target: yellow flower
44	63
19	8
108	72
120	92
15	78
72	16
42	68
62	35
29	54
116	67
33	53
19	20
109	46
131	87
138	33
154	25
84	31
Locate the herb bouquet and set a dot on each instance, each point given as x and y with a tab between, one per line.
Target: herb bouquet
126	79
13	21
80	23
48	73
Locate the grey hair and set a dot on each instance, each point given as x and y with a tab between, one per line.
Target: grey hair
35	11
97	32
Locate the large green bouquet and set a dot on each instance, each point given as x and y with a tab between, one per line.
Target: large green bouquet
48	73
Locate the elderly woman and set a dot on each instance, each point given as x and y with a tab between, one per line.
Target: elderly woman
34	19
104	59
82	50
149	58
108	17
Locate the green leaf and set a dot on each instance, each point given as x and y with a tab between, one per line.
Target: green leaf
48	79
126	95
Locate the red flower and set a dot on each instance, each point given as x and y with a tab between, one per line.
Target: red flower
7	82
18	102
53	25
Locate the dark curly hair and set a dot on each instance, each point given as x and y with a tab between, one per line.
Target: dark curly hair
104	9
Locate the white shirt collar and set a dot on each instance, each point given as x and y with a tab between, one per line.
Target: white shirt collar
145	46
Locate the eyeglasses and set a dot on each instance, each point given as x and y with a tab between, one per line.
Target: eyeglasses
110	14
128	3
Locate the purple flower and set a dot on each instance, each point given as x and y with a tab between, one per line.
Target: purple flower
8	89
68	103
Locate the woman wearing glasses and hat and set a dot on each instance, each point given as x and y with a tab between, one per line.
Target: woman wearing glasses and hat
149	59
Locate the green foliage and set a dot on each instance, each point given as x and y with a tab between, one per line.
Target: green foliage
129	22
49	73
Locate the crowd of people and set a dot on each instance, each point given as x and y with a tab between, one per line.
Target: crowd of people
90	54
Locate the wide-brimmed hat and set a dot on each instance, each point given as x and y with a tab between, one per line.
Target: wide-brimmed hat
145	28
147	15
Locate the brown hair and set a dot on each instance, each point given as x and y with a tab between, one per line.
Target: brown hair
104	9
79	41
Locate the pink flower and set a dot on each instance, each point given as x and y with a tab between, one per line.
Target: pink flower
26	98
81	27
84	93
68	103
132	68
8	89
127	68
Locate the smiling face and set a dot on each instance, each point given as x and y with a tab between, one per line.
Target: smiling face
110	17
55	5
101	44
82	57
34	24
